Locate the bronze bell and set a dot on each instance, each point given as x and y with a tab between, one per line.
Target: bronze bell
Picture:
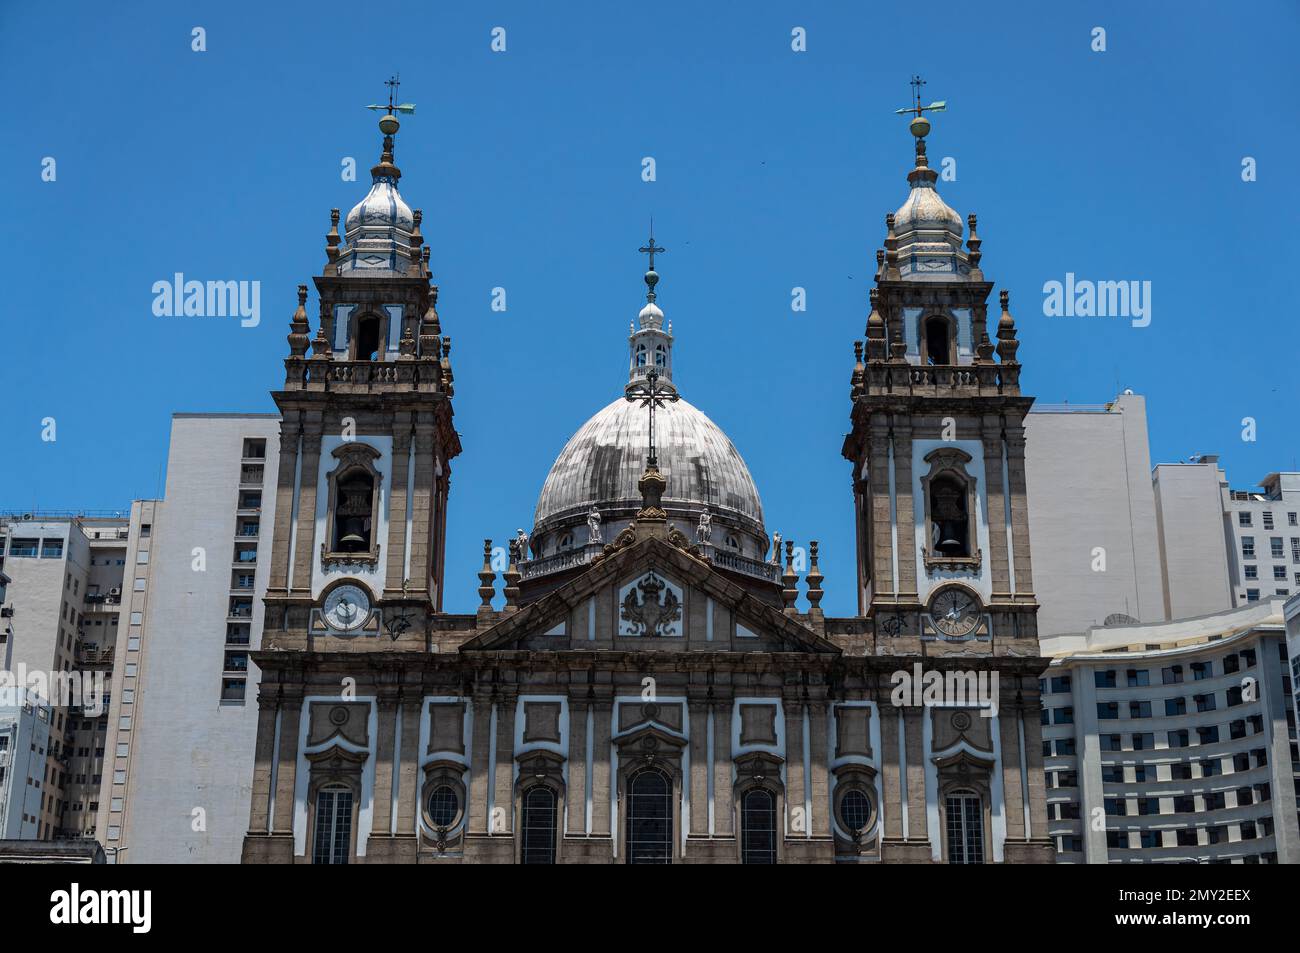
352	537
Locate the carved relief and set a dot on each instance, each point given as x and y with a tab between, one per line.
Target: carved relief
542	721
651	606
347	720
446	727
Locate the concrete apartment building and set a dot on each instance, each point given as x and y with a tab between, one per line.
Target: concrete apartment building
1093	526
1173	742
184	692
60	622
1257	531
24	741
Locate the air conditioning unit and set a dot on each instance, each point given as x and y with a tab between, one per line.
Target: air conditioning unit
115	591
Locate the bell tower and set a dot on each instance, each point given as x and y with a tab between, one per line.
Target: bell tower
366	436
938	440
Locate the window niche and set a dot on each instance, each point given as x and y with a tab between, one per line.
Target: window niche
442	804
951	531
353	521
368	337
938	340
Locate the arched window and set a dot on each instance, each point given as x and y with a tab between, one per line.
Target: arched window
537	827
649	818
758	827
367	342
949	519
566	542
333	838
965	827
640	355
733	542
353	517
661	356
937	342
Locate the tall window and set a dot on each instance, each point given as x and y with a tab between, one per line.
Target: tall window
538	827
758	827
950	524
649	818
965	828
353	521
367	339
333	825
937	343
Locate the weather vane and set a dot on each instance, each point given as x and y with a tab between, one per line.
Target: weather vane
391	108
916	108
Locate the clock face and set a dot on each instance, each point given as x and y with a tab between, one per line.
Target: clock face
955	612
346	608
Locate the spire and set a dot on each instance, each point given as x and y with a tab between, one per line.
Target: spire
380	233
650	344
926	236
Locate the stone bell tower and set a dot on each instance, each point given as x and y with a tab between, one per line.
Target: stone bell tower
938	440
367	437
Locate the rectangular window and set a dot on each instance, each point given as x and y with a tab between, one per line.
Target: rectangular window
23	547
1107	709
1143	741
1279	574
1252	595
1205	702
1104	679
1275	547
1138	678
1251	571
1064	716
1178	738
1268	519
1139	709
1207	734
142	557
51	548
1202	670
1248	547
1243	518
1176	706
1172	674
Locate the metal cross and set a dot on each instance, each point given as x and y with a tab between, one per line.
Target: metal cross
916	108
650	249
651	399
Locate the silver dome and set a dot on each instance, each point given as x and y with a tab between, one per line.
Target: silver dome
603	461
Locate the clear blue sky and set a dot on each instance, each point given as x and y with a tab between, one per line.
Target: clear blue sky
775	170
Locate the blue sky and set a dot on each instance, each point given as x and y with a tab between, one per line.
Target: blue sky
774	169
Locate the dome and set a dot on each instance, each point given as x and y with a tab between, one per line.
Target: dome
927	215
383	207
603	461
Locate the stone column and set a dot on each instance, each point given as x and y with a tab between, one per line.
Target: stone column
819	763
504	777
724	813
259	820
882	555
794	768
422	505
478	774
577	790
914	743
1012	770
891	773
286	771
279	578
408	780
395	548
602	780
1019	508
385	764
997	512
306	548
908	510
700	768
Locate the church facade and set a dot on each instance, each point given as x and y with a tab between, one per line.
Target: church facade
648	692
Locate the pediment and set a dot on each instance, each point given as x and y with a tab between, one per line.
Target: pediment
650	595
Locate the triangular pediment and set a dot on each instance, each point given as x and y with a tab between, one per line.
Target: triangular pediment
650	595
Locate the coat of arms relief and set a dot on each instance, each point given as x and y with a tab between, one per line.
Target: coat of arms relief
650	606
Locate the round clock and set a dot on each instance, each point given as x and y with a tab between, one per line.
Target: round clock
346	608
955	611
